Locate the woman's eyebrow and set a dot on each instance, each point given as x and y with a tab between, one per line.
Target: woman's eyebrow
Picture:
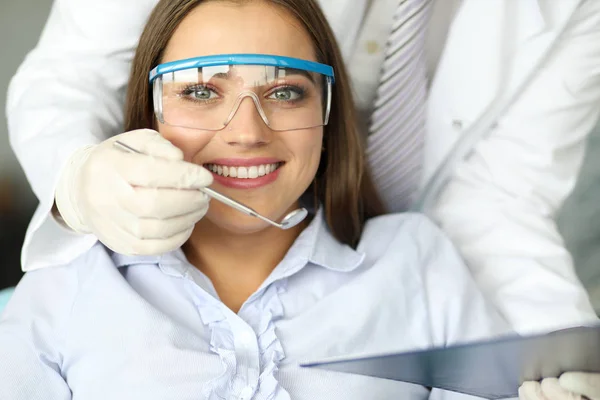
307	74
220	75
286	73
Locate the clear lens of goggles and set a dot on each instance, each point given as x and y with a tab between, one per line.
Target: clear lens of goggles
208	97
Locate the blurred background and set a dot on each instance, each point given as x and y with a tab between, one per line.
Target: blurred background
21	22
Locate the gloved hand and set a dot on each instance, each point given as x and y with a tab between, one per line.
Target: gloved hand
134	203
569	386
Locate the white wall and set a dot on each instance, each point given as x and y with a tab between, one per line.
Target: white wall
21	22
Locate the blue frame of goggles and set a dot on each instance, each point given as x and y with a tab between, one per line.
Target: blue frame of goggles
198	92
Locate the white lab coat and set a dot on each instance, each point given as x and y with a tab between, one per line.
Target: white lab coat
499	204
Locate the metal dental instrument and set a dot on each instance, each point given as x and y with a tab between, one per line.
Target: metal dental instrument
290	220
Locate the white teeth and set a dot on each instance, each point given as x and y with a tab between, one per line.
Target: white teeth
253	172
243	172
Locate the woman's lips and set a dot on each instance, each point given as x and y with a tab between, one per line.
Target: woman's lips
244	162
245	173
240	183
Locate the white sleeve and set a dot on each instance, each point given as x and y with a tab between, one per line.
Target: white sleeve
68	93
500	205
457	309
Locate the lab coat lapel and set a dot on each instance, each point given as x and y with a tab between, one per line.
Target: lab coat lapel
491	47
494	48
470	66
536	33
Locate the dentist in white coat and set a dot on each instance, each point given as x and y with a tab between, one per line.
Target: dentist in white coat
514	90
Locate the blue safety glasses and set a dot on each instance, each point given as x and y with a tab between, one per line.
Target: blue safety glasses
205	92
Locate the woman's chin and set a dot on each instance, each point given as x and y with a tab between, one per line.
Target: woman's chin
223	218
236	223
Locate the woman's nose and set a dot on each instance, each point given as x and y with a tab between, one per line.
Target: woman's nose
247	127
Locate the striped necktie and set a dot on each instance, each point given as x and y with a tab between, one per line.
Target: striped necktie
397	127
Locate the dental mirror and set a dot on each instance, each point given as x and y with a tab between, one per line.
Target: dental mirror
289	221
294	218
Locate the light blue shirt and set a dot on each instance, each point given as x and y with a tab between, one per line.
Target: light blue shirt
109	326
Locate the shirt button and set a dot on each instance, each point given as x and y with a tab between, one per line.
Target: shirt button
247	393
372	47
457	124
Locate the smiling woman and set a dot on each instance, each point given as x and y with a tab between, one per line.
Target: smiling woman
240	111
342	184
255	92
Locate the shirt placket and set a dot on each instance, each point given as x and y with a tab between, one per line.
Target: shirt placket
247	355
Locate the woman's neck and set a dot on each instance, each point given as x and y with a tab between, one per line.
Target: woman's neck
237	264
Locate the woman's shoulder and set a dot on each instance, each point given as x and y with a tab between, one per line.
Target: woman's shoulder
96	257
416	225
412	237
53	290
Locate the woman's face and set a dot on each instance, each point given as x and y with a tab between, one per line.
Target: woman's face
247	142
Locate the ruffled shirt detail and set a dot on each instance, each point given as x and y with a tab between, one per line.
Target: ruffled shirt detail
261	315
221	343
249	371
271	350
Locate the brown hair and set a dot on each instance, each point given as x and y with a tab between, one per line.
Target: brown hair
343	184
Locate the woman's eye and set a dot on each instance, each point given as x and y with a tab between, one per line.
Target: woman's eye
286	94
200	93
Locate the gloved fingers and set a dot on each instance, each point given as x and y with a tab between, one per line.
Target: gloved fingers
151	228
584	383
162	203
147	171
531	390
552	390
150	142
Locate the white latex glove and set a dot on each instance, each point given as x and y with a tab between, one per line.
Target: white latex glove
134	203
570	386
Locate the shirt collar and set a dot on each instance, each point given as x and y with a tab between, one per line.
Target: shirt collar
315	245
325	250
